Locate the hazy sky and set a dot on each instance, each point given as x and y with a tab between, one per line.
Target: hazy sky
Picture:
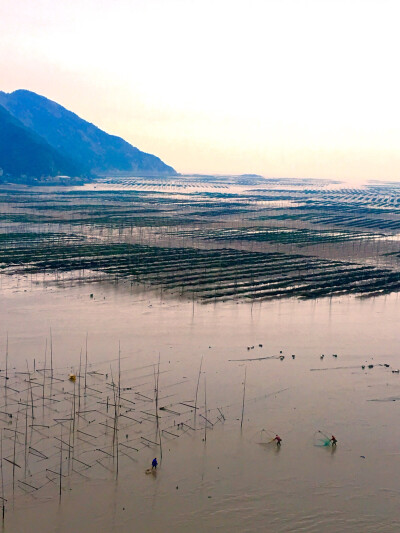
275	87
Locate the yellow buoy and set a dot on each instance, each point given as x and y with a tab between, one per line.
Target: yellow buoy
72	377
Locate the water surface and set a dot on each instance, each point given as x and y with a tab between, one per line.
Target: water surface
231	482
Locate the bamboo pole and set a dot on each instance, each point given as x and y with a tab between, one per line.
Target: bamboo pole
61	455
156	389
6	360
205	409
44	372
244	395
86	359
51	353
79	381
2	478
197	390
14	451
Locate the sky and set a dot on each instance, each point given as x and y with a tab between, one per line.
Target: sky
281	88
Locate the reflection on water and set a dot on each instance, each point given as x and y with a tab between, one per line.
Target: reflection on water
230	482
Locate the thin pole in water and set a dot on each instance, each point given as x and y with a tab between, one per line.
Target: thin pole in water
244	395
61	452
157	378
6	359
159	436
117	407
2	477
79	381
44	371
51	353
73	432
14	453
30	388
26	434
119	371
86	358
197	390
205	409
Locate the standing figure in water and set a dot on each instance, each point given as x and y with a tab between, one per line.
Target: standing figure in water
154	464
333	440
278	440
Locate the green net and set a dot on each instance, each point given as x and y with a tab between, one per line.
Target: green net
321	439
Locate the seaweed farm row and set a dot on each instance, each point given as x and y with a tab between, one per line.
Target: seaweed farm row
276	234
336	216
210	274
228	238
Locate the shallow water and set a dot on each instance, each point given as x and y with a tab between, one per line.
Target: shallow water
231	482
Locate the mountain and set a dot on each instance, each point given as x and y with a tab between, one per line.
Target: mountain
91	149
24	154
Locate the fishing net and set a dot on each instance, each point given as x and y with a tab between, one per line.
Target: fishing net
266	437
321	439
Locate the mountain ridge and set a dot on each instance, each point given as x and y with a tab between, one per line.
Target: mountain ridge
90	149
24	154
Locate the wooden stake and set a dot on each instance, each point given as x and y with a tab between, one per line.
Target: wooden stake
6	360
14	454
51	353
61	455
86	358
2	477
205	409
26	437
197	390
44	372
79	381
156	389
244	394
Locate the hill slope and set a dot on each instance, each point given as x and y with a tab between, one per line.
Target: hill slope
24	154
93	150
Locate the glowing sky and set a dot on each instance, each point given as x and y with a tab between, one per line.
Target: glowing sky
274	87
